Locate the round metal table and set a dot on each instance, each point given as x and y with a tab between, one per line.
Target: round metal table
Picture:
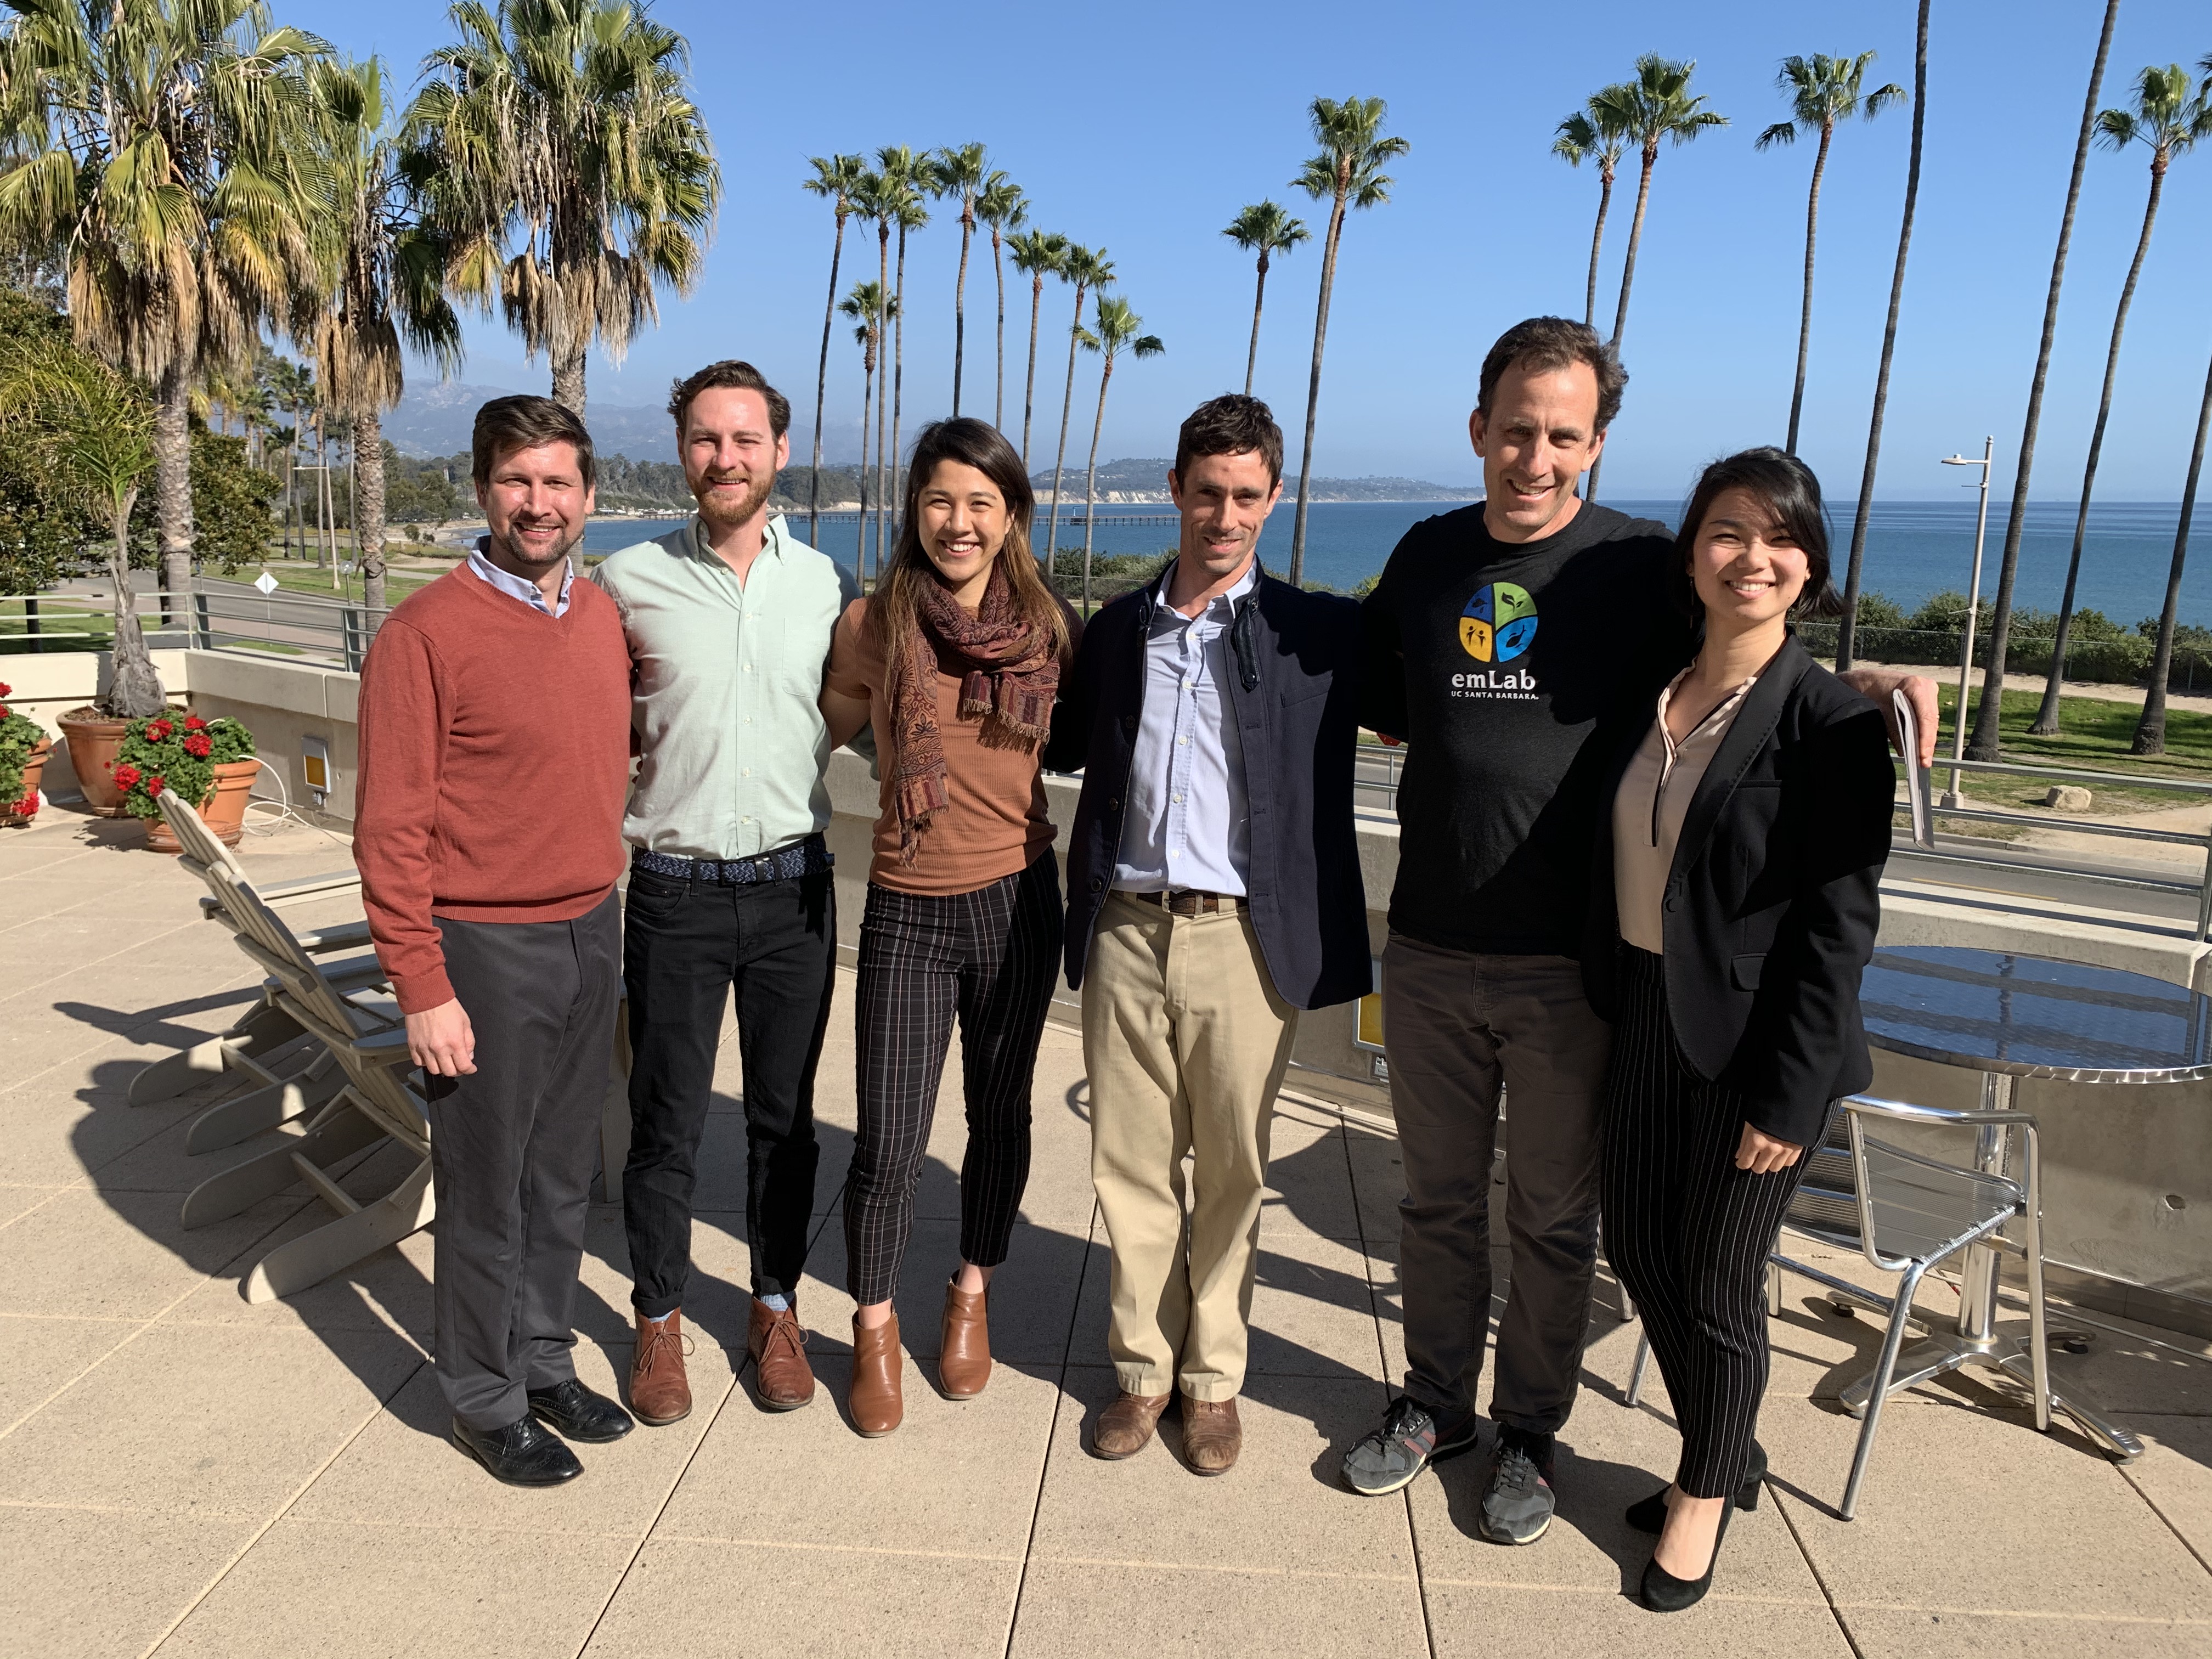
2009	1017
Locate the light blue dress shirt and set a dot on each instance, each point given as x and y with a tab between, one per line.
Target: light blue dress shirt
522	587
1188	824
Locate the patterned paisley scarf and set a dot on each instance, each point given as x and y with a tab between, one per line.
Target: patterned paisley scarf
1008	671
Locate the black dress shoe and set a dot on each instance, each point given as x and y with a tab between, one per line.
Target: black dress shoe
575	1412
1650	1514
1664	1593
521	1454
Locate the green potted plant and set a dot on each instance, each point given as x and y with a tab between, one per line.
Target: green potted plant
208	763
23	746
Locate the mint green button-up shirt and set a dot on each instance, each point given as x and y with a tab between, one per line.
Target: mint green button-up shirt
724	694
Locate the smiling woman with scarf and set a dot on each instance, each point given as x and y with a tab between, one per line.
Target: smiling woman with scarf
956	660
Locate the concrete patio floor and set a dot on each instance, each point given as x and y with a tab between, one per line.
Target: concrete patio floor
182	1473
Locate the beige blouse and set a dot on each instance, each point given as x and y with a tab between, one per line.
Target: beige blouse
1649	808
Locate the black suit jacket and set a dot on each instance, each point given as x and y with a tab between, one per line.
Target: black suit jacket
1293	690
1773	905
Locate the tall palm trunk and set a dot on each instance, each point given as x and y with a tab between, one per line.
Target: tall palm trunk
1029	386
1846	631
822	392
959	307
569	381
1258	297
1091	479
882	286
1627	281
999	266
1060	461
1805	316
867	397
2150	730
172	486
369	504
2046	716
1313	380
1597	241
134	688
898	381
1984	743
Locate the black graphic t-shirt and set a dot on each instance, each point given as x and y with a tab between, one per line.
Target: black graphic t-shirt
1495	661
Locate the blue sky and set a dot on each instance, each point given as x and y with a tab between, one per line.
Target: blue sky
1145	127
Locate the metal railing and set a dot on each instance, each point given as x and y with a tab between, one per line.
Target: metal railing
215	615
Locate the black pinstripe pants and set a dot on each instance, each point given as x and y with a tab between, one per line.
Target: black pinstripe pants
990	958
1687	1232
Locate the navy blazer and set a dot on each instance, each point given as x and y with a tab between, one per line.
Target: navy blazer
1772	904
1293	691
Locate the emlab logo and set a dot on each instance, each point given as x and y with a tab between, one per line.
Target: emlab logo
1499	622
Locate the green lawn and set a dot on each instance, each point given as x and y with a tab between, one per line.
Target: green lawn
2093	735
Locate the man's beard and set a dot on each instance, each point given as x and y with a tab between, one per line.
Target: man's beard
513	548
716	509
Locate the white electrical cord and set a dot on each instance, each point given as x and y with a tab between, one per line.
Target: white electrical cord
269	824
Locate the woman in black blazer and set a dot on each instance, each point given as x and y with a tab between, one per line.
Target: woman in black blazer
1734	905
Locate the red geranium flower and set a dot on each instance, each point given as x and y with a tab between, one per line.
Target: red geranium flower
27	806
158	731
5	689
125	775
194	723
4	711
197	746
153	784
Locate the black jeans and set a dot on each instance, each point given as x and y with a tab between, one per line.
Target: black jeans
685	946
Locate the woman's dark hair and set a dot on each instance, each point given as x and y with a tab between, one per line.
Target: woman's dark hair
983	446
1785	486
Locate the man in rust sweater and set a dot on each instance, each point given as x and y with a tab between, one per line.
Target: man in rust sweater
494	733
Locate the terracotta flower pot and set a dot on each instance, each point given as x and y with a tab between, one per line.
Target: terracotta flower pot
93	743
34	766
223	810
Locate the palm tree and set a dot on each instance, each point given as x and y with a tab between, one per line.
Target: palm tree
1846	628
1088	269
907	179
1117	326
561	152
875	200
835	178
1042	254
1824	91
1348	171
1593	133
93	433
388	289
2150	728
1983	745
1263	229
160	142
866	305
958	173
1656	107
2171	114
1002	207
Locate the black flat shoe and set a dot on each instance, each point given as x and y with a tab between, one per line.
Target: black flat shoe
1664	1593
1650	1514
575	1412
521	1454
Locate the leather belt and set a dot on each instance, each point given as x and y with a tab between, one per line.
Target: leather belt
810	857
1187	900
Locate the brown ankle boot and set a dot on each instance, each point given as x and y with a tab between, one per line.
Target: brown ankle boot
1125	1428
781	1376
1211	1437
964	1354
660	1393
877	1404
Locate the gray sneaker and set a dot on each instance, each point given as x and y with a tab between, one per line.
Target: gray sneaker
1407	1442
1517	1505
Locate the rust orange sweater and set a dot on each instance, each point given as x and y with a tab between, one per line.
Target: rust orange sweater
494	754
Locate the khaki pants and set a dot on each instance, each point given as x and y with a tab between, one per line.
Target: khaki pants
1185	1041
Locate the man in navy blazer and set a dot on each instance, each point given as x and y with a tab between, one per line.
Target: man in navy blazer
1214	892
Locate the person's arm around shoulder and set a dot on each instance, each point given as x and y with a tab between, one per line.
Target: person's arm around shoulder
1383	675
402	721
1844	786
845	694
1879	685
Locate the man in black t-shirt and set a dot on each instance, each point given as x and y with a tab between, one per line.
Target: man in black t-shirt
1500	638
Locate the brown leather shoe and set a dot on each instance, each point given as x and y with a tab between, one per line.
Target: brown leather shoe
964	1354
1211	1437
1125	1428
660	1393
777	1341
877	1403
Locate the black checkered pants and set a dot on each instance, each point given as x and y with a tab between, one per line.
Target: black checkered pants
990	958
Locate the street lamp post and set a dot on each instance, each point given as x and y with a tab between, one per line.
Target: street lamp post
1951	796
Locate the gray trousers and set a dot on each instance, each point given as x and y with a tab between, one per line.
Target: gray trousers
1458	1026
512	1147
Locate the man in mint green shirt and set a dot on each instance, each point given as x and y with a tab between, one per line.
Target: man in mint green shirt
728	622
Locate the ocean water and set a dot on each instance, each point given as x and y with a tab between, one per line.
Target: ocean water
1914	549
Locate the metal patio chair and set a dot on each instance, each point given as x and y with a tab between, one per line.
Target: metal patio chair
1907	1213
